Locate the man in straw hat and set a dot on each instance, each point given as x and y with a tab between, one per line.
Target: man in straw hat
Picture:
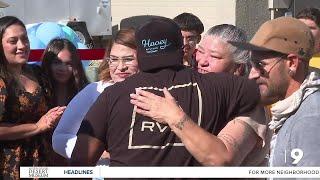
281	50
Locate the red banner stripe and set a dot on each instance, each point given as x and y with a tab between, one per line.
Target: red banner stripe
84	54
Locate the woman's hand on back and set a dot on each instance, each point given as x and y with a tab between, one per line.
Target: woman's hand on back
50	119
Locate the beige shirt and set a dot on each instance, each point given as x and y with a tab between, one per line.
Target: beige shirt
259	155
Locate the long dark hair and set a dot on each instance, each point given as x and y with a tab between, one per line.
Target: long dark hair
78	79
9	79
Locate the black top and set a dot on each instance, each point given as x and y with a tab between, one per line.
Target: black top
211	100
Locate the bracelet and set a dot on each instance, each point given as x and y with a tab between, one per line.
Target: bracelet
181	122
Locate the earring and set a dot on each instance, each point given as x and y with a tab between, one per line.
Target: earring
291	73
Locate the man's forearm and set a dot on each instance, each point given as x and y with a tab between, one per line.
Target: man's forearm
206	148
211	150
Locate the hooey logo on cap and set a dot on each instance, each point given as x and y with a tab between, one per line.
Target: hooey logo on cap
154	46
159	45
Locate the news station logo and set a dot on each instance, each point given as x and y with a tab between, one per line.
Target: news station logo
38	172
296	155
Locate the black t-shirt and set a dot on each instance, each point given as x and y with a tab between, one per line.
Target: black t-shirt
211	100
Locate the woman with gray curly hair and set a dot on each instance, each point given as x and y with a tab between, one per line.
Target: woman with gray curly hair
215	54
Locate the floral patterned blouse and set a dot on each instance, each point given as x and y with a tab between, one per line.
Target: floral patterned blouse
19	108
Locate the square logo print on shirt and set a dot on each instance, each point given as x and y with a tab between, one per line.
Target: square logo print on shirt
146	133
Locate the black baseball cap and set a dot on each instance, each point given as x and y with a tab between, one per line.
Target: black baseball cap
159	44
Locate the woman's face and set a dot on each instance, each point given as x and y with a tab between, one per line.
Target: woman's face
15	44
122	62
214	55
61	67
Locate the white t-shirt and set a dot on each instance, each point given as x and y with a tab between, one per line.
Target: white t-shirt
65	135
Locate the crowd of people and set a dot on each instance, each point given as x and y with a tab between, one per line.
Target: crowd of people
166	97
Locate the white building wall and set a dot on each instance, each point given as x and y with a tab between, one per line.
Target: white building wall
211	12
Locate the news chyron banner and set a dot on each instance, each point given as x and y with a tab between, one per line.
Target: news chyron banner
169	172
